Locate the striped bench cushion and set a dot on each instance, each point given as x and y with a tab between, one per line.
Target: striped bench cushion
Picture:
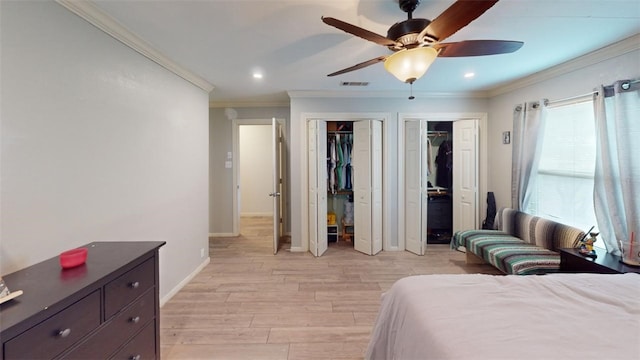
472	239
508	253
521	259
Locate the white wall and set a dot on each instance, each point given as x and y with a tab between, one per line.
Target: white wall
584	77
390	106
256	170
98	144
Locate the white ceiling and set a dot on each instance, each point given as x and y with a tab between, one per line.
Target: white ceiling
225	41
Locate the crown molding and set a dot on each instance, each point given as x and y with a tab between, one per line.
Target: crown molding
608	52
383	94
248	104
88	11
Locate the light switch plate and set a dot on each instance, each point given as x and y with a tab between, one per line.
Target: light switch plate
506	137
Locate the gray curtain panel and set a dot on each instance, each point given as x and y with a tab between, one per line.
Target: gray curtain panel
617	174
528	125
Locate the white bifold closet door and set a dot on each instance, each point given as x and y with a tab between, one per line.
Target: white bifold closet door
366	164
465	181
465	176
317	185
416	181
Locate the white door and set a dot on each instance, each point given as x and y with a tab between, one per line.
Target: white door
366	162
465	175
317	151
376	186
277	184
414	195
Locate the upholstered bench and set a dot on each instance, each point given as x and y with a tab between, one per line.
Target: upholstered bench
523	244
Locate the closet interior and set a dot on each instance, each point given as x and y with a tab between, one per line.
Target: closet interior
340	210
439	169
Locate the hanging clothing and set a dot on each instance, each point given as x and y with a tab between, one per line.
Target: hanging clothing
444	162
429	157
339	163
346	158
339	172
333	162
348	173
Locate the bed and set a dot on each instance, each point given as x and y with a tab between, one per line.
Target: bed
556	316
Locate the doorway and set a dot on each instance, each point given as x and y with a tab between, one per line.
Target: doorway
254	166
257	175
441	177
329	178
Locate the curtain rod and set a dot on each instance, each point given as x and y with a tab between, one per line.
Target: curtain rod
584	97
571	100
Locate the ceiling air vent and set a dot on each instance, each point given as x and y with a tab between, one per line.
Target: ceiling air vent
354	83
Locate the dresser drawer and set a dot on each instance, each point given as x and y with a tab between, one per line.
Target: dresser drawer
142	347
118	330
57	333
123	290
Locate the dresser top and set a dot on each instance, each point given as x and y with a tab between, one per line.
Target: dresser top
47	287
603	259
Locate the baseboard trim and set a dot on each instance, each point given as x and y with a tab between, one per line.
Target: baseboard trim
297	249
184	282
222	235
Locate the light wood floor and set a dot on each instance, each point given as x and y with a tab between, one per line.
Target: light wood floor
249	304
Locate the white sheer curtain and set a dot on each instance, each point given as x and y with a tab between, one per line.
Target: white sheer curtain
528	125
617	176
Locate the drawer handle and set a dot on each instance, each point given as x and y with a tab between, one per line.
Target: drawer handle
64	333
135	357
135	320
134	285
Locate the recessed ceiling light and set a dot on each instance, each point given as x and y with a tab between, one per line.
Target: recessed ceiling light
257	75
469	75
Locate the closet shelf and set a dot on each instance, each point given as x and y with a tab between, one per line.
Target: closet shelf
437	133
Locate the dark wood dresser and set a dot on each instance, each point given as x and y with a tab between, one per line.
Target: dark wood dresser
605	263
107	308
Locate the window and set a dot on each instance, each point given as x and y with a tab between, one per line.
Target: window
564	181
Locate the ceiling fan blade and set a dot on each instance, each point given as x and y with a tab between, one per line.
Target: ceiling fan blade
477	48
358	31
359	66
457	16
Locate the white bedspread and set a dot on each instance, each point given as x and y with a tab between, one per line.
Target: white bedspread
559	316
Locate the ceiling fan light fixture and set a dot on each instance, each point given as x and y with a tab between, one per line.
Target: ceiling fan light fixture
410	64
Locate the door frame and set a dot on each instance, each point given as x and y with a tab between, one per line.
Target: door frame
482	159
386	176
276	175
235	144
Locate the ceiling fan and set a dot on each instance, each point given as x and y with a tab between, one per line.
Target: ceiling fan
417	42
